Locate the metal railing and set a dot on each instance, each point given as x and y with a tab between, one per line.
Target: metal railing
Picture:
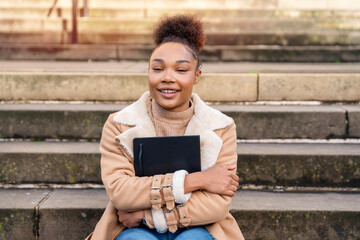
74	33
74	38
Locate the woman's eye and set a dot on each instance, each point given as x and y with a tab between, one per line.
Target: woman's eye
182	70
157	69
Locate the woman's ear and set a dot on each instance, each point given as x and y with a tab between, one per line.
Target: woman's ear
197	76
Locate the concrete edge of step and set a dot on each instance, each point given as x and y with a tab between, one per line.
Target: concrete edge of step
223	106
244	200
277	147
242	187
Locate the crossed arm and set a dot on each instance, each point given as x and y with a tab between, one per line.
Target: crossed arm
217	184
218	179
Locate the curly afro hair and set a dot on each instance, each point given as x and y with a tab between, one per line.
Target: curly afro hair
185	29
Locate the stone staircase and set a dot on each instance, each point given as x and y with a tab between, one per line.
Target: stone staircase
253	30
298	145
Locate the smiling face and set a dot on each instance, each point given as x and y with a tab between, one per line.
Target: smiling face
172	75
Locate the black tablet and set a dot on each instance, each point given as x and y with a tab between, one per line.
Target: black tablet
161	155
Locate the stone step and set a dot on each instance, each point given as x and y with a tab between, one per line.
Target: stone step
221	27
233	87
37	214
37	3
41	24
270	164
9	12
96	25
316	164
16	39
114	13
85	121
148	13
262	4
226	13
201	4
284	40
207	67
255	53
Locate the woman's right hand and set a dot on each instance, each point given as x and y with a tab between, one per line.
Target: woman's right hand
131	219
218	179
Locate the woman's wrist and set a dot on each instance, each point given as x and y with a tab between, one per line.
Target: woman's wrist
193	182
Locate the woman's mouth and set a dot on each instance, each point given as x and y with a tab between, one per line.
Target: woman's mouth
168	92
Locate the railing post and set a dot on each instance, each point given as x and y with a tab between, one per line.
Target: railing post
74	22
86	9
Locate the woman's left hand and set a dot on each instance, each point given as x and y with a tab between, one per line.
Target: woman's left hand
131	219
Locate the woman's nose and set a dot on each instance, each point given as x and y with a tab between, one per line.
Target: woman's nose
168	77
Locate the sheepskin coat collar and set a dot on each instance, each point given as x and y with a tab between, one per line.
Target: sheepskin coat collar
204	122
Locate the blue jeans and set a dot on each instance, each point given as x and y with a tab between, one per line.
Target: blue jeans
196	233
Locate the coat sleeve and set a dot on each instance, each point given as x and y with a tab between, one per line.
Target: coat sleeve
126	191
205	207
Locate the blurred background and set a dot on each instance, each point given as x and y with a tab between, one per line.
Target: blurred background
237	30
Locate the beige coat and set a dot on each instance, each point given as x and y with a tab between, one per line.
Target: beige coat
129	193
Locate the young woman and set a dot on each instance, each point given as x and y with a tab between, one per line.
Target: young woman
197	204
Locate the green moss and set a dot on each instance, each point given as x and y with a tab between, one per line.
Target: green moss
38	139
2	231
72	180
